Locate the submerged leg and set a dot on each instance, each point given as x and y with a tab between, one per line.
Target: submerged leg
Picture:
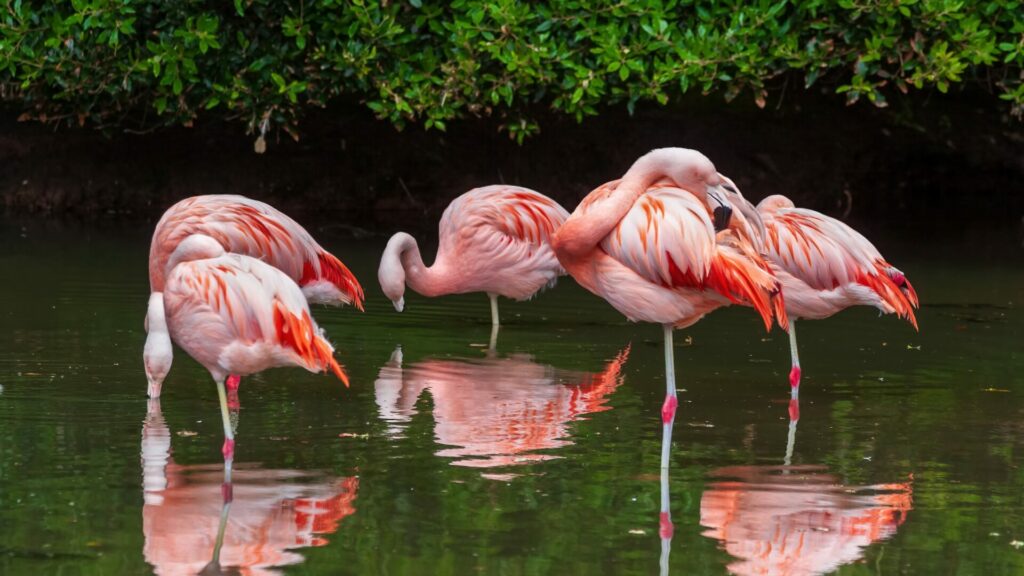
665	526
794	374
494	308
229	434
668	409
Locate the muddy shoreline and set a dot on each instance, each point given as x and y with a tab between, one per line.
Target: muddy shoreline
953	158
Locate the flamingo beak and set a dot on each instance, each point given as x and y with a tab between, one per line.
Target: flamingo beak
720	207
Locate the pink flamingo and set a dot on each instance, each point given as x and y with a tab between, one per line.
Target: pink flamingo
494	239
826	266
237	315
241	226
647	245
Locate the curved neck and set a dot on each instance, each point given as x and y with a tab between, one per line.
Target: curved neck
603	209
427	281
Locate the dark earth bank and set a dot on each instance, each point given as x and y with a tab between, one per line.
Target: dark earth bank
948	164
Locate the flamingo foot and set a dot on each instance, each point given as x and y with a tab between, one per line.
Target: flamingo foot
665	526
794	409
227	492
229	449
668	409
794	377
233	381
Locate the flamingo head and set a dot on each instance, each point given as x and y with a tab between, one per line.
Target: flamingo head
157	354
391	273
693	171
195	247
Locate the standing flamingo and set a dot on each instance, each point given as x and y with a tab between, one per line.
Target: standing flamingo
826	266
241	226
237	315
649	248
494	239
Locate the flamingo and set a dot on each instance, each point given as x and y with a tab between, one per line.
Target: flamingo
826	266
237	315
647	245
242	226
494	239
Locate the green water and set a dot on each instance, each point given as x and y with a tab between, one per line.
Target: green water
541	458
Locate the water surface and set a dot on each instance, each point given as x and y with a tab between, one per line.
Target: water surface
904	456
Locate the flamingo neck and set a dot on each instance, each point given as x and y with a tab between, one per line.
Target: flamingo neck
425	280
602	211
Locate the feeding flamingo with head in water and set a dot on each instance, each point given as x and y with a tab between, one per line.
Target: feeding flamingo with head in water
647	244
494	239
241	226
237	315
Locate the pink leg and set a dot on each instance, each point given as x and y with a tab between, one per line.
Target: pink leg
668	409
794	409
228	449
794	377
233	381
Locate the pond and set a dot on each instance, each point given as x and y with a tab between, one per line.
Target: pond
904	454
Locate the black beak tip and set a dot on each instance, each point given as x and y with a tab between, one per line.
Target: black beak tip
722	216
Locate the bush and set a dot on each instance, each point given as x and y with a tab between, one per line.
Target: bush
145	63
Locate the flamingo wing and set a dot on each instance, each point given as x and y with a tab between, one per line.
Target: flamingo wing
518	214
254	228
826	253
252	303
668	239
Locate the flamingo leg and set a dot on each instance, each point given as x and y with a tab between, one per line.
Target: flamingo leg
493	347
494	308
665	526
229	436
668	409
794	374
794	417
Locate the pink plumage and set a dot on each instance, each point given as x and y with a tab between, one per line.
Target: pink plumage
648	245
246	226
494	239
825	266
237	315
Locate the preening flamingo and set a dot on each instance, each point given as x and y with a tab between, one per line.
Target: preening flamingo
826	266
236	316
241	226
494	239
647	245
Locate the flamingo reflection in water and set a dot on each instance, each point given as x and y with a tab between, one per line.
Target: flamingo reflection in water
798	520
496	411
190	527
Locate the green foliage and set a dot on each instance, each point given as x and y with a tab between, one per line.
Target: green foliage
146	63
